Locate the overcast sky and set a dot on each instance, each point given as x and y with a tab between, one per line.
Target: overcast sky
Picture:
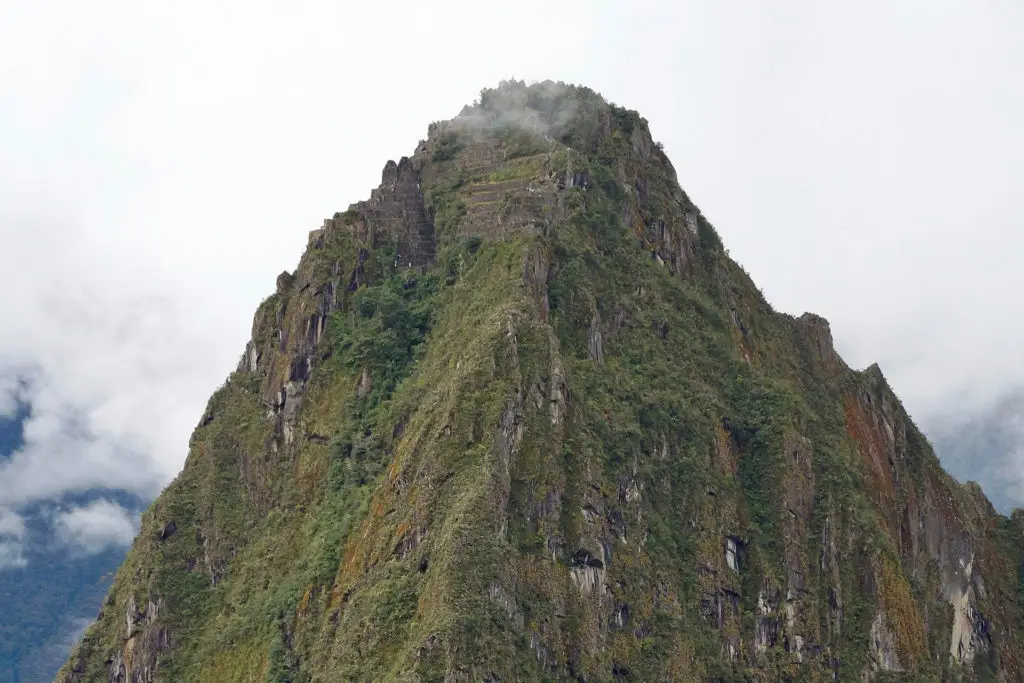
161	163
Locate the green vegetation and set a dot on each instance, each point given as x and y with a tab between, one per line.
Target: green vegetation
448	146
444	207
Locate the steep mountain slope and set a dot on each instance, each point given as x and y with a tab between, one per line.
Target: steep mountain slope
519	417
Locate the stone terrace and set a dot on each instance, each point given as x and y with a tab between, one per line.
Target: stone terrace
502	194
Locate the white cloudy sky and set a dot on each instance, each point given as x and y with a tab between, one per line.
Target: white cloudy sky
160	163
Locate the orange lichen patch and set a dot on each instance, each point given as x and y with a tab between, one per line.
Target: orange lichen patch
622	646
401	530
871	445
352	550
745	345
358	550
682	665
337	593
540	574
304	602
902	614
725	453
129	651
198	452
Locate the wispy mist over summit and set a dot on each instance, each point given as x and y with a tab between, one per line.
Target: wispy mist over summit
546	108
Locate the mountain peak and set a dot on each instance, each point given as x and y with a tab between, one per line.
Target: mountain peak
518	416
503	164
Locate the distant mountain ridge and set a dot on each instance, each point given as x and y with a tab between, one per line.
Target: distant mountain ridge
987	448
46	604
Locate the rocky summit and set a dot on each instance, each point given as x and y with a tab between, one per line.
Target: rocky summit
519	417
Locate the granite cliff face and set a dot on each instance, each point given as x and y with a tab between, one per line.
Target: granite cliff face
519	417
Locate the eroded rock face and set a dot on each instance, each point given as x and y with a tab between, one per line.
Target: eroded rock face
883	646
395	211
137	662
589	579
969	635
818	333
934	521
731	555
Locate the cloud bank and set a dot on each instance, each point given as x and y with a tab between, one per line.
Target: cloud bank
986	446
93	528
12	532
11	393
